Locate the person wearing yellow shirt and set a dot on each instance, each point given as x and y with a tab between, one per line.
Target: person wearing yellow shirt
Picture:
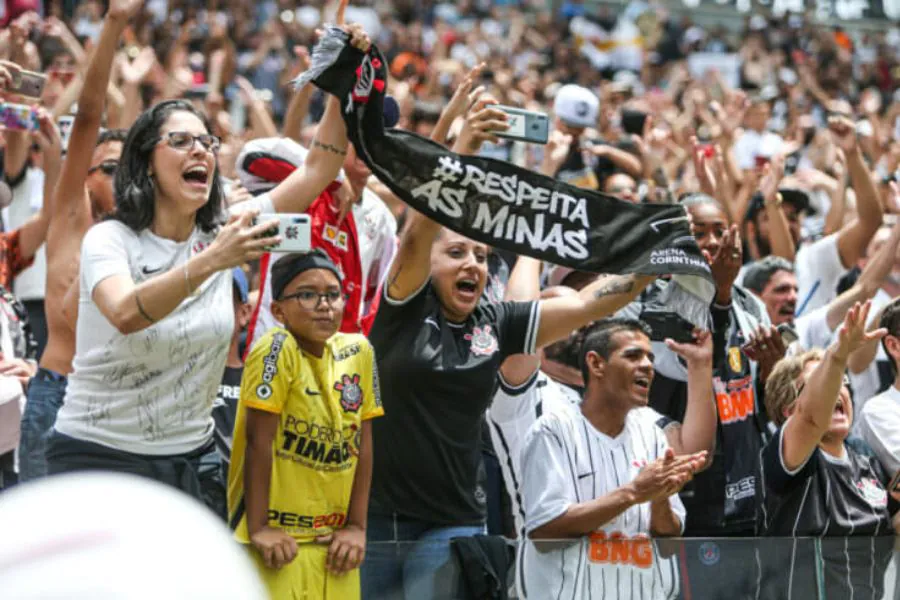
298	484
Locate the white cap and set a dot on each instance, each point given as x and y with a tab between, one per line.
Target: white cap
99	536
576	106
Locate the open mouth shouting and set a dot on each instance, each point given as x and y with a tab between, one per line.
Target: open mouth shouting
642	385
197	176
467	289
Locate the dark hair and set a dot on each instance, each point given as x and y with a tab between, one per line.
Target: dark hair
761	272
134	188
112	135
599	338
890	320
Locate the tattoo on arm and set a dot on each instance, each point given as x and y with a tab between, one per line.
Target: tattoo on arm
614	288
330	148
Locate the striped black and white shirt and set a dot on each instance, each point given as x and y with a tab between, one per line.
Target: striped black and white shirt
841	507
566	461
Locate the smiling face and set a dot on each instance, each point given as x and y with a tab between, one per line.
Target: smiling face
710	225
625	377
183	176
459	271
780	297
311	320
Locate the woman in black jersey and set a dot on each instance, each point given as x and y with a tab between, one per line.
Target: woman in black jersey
815	485
439	348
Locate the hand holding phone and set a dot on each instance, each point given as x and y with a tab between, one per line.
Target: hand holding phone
24	83
668	325
295	231
525	125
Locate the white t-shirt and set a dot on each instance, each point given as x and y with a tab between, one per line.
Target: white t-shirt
149	392
867	383
28	197
752	144
567	461
813	330
513	412
819	270
879	425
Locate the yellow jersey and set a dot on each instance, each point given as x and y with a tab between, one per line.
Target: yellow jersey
322	403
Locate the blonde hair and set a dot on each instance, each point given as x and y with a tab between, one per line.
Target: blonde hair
781	387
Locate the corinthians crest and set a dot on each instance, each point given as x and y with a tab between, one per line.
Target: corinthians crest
351	392
483	341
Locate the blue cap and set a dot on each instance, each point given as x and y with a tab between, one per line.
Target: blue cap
240	284
391	111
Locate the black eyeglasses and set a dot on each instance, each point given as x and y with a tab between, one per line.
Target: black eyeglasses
310	299
109	168
184	141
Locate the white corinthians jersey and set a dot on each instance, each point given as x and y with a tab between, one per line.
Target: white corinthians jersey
566	461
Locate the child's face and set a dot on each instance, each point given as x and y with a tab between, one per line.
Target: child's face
311	306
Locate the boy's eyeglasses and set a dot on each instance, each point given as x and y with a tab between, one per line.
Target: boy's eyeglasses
309	299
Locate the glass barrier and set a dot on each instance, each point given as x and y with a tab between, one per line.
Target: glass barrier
619	567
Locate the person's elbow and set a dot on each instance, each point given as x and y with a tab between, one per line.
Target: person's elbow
548	531
127	322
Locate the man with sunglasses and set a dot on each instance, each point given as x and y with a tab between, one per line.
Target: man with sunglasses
84	195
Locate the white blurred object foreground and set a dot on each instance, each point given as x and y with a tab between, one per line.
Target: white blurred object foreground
100	536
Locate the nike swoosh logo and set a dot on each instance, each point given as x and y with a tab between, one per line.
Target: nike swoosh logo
149	271
310	392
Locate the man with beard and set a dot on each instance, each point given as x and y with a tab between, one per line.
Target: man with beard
84	195
821	264
774	282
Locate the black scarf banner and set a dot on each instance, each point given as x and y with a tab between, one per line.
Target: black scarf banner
503	205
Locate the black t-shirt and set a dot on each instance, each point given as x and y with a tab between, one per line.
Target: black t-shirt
827	498
225	409
437	379
721	500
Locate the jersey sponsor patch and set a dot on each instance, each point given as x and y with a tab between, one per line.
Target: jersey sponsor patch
345	353
619	549
351	392
335	237
483	342
735	399
872	492
270	367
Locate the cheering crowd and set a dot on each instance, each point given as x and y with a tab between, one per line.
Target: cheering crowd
397	395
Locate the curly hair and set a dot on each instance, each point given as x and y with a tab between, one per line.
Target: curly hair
134	188
781	387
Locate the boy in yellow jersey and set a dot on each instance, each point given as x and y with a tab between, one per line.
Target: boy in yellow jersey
298	484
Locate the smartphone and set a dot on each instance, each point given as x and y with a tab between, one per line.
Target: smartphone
19	117
64	123
295	231
788	333
27	83
525	125
633	121
668	325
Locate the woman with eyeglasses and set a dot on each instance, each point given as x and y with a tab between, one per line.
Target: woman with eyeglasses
155	312
815	485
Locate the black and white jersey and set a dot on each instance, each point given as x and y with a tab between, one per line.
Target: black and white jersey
514	411
826	498
437	379
566	461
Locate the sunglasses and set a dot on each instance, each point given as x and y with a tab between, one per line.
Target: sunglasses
65	77
109	168
184	141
